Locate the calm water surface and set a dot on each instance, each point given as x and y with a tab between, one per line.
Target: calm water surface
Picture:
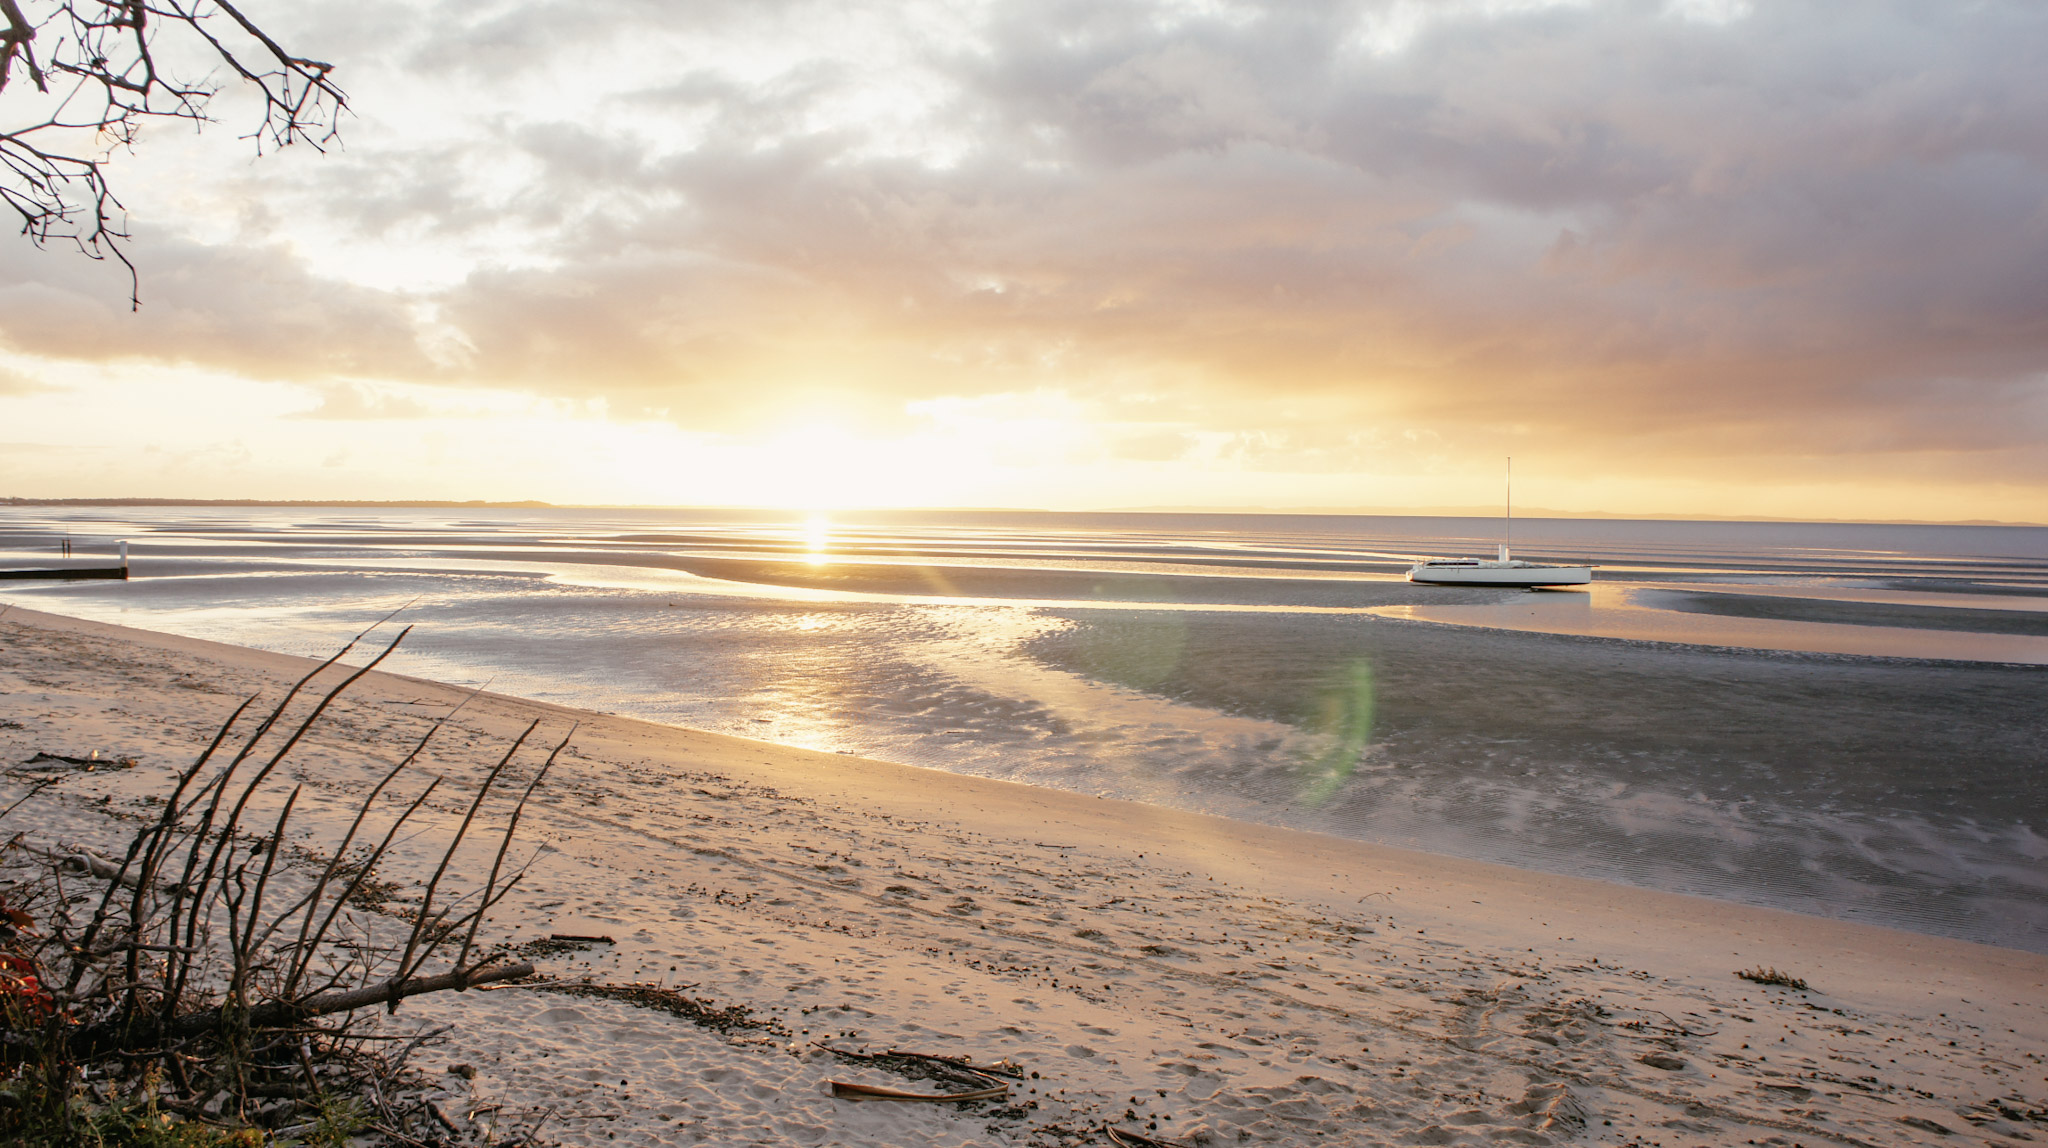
1835	719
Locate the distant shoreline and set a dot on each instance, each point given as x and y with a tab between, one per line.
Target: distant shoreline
1531	514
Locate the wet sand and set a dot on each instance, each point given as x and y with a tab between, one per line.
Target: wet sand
1963	619
1181	975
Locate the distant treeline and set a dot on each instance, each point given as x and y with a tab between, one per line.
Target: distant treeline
427	502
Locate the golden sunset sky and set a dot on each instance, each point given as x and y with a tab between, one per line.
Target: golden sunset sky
1687	257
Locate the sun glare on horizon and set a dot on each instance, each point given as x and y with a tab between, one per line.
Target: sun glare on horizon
817	539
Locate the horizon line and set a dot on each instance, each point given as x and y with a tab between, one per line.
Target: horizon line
1531	513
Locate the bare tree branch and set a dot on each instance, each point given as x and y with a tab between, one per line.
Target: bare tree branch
275	1013
53	164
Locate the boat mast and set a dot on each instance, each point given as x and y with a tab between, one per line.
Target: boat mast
1507	536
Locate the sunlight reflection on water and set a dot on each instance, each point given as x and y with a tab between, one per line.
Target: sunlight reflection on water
1059	653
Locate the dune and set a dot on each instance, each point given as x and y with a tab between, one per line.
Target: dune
760	921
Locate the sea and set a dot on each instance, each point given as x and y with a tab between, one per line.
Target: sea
1838	719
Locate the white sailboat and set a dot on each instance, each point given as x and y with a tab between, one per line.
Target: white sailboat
1502	571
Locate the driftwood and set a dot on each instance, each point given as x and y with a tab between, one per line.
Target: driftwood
145	1033
845	1091
959	1067
79	860
46	762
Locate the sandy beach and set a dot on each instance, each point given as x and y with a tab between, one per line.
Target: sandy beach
1185	977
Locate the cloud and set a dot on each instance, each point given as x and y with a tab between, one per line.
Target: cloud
1155	446
1650	234
355	401
254	310
14	383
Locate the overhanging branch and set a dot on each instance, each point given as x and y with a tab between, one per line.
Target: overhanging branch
53	165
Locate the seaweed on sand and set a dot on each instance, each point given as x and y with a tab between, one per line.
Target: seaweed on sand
1763	976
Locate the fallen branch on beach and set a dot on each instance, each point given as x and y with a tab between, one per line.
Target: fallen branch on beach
845	1091
78	860
959	1070
45	762
285	1013
169	976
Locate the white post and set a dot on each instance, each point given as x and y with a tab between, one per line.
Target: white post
124	554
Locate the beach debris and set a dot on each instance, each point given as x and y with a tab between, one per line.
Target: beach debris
501	987
1004	1067
1126	1139
2014	1109
982	1080
1763	976
1663	1060
582	939
442	1119
1926	1125
845	1091
45	762
554	946
78	861
701	1011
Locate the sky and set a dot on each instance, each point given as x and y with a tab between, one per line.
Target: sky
1675	257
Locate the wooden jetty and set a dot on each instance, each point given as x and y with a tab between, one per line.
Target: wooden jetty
72	572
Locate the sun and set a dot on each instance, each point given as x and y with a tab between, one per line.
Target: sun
817	540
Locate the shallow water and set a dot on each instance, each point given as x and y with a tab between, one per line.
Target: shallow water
1658	613
1241	665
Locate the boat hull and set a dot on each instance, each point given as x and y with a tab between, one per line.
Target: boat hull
1496	575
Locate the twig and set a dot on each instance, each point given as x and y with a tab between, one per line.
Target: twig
441	1118
305	954
33	790
341	851
406	965
244	949
511	827
176	975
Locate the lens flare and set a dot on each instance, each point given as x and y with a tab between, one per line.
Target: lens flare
1346	720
